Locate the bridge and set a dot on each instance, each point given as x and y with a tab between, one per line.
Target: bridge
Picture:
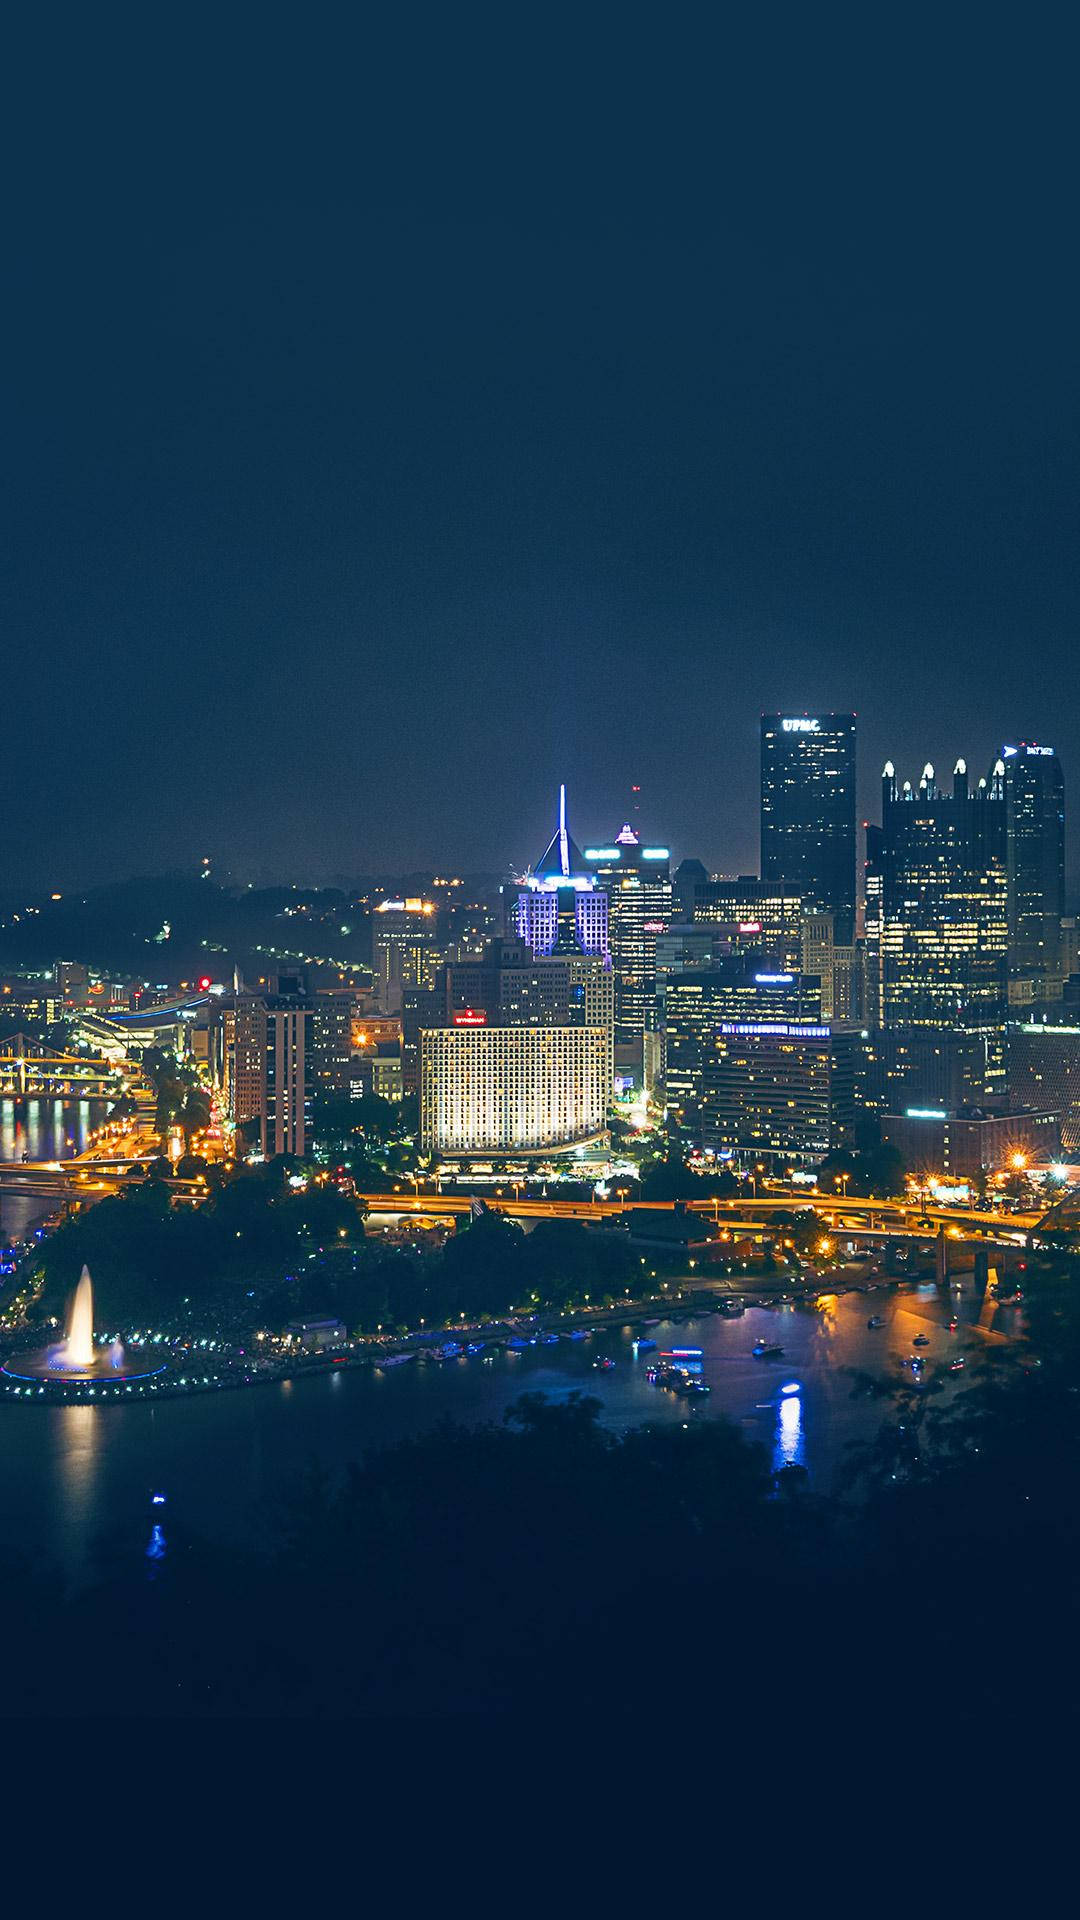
90	1177
877	1219
28	1069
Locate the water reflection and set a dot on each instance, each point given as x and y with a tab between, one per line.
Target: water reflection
788	1446
73	1473
44	1129
77	1436
40	1130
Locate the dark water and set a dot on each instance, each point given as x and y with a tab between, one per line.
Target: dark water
43	1130
71	1475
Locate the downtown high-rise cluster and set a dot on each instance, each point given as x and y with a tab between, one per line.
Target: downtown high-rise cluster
920	986
778	1016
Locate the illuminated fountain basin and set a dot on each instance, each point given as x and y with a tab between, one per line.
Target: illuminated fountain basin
76	1361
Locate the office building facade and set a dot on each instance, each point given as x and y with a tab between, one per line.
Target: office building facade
289	1085
971	1143
405	949
637	881
808	812
839	968
701	1011
511	1090
751	915
937	919
1044	1071
779	1092
1034	787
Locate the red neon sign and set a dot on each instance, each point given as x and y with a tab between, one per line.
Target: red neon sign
470	1017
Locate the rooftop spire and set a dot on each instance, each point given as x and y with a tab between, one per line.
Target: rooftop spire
561	859
564	847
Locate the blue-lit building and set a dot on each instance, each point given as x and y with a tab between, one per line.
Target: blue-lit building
559	907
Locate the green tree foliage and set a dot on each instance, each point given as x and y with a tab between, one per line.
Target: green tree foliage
151	1260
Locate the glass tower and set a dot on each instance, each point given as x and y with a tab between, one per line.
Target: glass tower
808	812
1035	856
937	924
637	881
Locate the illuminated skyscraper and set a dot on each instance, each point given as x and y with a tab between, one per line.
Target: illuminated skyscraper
937	928
1035	856
404	949
290	1086
750	915
559	908
700	1004
637	881
808	812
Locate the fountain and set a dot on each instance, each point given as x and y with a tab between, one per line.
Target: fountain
75	1360
79	1345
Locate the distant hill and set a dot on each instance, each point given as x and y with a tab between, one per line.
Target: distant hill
171	926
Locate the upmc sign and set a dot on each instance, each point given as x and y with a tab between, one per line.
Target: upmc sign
470	1017
800	726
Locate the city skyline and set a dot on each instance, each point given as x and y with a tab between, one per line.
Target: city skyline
597	809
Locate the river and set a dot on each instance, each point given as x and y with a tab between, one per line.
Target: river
70	1476
41	1130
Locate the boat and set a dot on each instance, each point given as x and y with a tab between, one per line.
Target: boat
876	1320
474	1346
766	1350
394	1359
920	1340
604	1365
517	1344
645	1346
733	1309
579	1333
549	1339
670	1377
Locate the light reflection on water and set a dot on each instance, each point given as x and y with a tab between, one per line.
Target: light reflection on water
78	1437
40	1130
788	1448
69	1474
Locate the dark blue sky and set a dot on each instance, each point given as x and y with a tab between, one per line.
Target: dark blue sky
394	428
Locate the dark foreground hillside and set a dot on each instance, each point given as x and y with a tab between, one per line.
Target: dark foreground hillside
546	1561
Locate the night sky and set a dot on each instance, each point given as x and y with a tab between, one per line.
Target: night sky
395	429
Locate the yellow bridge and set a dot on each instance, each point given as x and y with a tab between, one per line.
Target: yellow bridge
28	1069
